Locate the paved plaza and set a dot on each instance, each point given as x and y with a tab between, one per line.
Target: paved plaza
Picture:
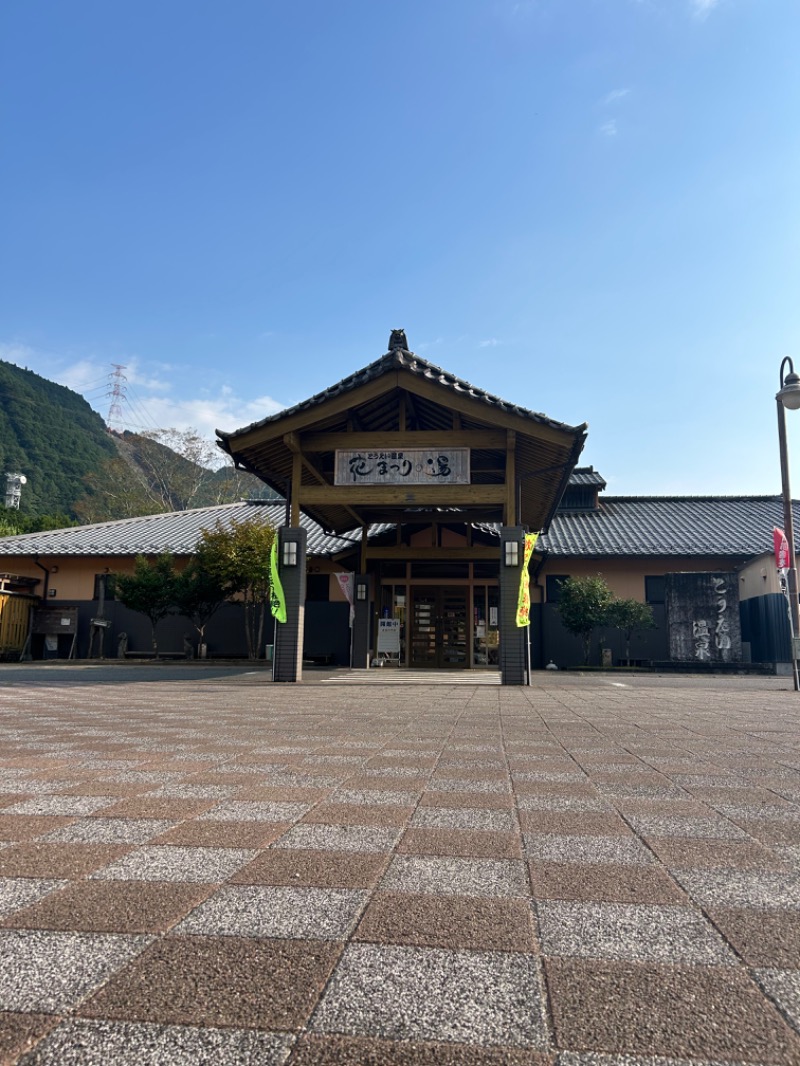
200	866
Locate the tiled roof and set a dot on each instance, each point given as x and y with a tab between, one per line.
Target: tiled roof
587	475
176	532
668	525
400	359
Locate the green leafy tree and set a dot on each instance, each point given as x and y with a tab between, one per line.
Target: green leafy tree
149	590
629	616
583	606
238	557
199	595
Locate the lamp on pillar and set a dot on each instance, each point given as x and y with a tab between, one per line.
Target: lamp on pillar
511	553
361	591
290	553
789	396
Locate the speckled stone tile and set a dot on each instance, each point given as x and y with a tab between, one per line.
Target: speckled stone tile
708	828
226	982
783	986
637	932
459	877
19	892
374	796
244	811
483	998
338	838
464	818
20	827
64	805
307	867
52	972
20	1031
36	859
448	922
604	882
111	907
317	1049
173	863
710	854
98	1043
711	1013
554	847
108	831
477	843
738	888
289	913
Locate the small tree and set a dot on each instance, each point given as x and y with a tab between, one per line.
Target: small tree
149	590
238	557
628	616
584	605
199	595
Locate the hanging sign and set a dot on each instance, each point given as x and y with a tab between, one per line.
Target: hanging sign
407	466
524	600
277	600
782	560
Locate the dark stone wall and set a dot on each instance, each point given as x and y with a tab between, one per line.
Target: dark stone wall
703	617
765	627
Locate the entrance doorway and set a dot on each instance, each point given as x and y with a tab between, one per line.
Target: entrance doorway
439	627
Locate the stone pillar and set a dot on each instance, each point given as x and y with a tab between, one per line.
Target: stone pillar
288	652
362	622
512	636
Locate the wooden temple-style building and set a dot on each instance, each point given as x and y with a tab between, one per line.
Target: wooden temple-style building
444	467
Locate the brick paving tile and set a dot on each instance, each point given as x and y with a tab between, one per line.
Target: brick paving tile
20	1031
708	854
315	1050
325	869
578	823
219	981
248	835
783	986
20	892
35	859
448	922
382	815
356	838
762	937
492	801
604	882
483	998
111	907
86	1043
714	1013
477	844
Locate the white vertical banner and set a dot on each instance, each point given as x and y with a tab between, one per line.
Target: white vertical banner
347	584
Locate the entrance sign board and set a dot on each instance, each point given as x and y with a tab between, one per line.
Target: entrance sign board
388	636
408	466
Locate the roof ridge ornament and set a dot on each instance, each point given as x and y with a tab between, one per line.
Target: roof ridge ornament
397	339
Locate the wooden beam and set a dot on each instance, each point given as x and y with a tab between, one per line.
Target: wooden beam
476	551
402	517
401	413
394	440
511	478
297	479
404	495
292	442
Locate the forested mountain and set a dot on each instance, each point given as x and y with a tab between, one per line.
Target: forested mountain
52	436
79	471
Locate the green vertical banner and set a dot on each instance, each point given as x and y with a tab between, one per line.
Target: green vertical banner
524	600
277	600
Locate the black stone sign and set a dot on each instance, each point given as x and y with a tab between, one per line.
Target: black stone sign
703	617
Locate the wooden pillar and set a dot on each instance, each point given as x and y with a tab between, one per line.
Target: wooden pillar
510	509
512	637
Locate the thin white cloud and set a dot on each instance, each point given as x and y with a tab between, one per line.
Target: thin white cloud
491	342
701	9
614	95
609	129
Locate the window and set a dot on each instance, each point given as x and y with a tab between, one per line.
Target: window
553	587
655	589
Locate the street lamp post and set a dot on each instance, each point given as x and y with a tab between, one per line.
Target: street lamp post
789	396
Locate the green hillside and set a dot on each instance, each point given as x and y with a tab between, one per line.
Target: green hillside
52	436
78	471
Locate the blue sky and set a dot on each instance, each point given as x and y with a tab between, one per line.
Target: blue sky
589	207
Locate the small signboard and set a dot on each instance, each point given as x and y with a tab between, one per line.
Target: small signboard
52	620
408	466
388	636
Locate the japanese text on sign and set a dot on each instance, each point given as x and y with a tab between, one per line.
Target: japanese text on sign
409	466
